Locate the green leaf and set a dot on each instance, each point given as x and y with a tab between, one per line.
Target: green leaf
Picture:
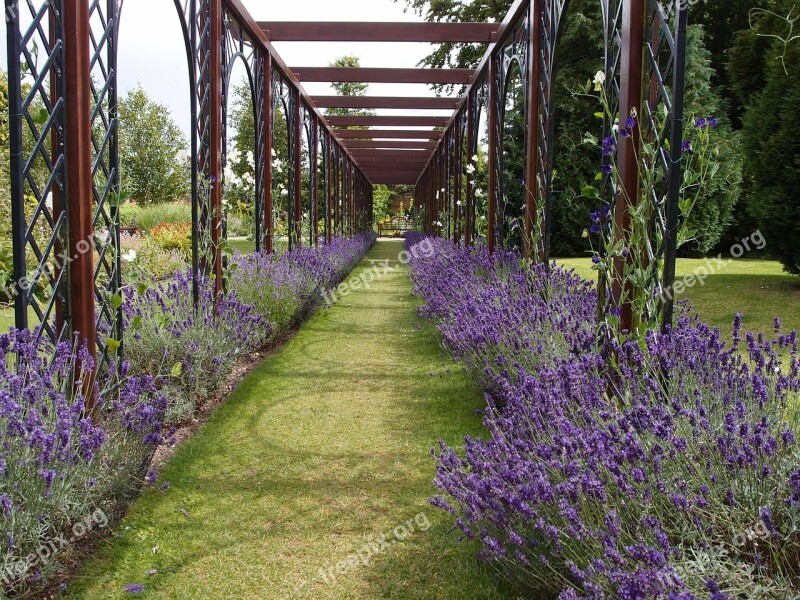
116	301
590	192
177	369
113	345
136	322
117	200
40	117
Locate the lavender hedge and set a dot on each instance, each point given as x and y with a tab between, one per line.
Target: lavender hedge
62	470
673	474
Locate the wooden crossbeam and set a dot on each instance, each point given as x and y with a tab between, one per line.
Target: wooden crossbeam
363	102
399	134
386	121
383	75
393	144
401	154
302	31
392	159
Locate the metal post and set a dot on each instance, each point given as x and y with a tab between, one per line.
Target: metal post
456	196
493	110
532	167
675	173
215	140
314	212
267	159
470	144
298	165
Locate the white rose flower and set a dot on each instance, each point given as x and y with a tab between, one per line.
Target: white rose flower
129	256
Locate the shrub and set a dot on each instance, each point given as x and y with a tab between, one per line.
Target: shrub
672	474
174	236
143	257
191	349
58	465
148	217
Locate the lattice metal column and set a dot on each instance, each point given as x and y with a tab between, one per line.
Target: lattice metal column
495	176
268	112
38	168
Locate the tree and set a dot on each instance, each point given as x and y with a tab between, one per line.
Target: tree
713	213
578	56
343	88
150	146
771	141
722	22
451	54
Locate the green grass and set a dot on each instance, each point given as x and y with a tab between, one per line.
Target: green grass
759	289
6	318
324	445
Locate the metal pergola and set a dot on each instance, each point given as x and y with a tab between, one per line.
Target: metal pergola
75	79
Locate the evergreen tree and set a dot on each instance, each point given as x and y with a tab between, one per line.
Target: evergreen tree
770	136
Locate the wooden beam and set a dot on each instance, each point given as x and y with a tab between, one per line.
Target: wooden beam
390	180
386	121
78	149
392	154
368	161
380	75
400	134
435	33
393	144
384	171
363	102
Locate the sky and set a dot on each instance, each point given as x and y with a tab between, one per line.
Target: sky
152	53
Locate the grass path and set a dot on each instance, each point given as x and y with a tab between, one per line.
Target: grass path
323	447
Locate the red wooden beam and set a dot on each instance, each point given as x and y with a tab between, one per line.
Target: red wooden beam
367	165
386	121
392	154
378	75
306	31
387	134
362	102
393	179
378	144
78	147
630	100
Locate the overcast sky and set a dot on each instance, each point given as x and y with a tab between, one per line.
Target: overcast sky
152	51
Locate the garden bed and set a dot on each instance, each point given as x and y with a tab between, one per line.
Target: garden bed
664	466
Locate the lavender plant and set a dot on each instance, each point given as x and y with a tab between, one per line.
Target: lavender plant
676	479
58	464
